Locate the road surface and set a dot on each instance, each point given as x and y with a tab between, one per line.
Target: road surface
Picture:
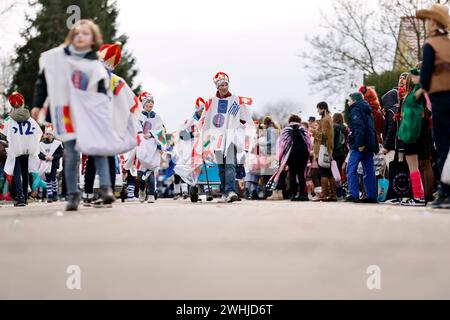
247	250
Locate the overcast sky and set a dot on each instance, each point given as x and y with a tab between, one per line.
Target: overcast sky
180	45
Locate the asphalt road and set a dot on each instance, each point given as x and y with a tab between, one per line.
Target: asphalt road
247	250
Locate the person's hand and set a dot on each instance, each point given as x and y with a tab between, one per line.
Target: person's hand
361	149
147	135
35	113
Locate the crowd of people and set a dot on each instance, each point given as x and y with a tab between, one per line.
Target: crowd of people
86	122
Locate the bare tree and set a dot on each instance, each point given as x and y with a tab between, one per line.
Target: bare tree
6	73
359	38
279	111
6	6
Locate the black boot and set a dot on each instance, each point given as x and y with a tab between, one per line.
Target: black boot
73	200
106	198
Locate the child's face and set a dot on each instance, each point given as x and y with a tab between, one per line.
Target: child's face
48	136
149	106
83	38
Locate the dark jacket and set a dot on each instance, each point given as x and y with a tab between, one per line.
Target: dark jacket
56	156
340	140
390	105
40	87
362	127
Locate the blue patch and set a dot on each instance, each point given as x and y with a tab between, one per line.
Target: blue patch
223	106
234	109
219	120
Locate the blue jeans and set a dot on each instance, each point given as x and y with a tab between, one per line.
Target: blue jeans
366	158
227	170
72	163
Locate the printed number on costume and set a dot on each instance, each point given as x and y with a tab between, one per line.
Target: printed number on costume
24	128
223	106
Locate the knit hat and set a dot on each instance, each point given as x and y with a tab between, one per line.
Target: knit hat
415	72
146	97
49	130
357	96
220	78
111	54
16	100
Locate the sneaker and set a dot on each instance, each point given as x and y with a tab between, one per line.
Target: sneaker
394	201
185	195
232	197
105	199
441	203
134	199
151	199
142	196
87	200
176	197
414	202
19	204
351	199
73	200
223	199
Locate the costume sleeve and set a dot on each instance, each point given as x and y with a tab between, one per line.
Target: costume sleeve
426	73
40	90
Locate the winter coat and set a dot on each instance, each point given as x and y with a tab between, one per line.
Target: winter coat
325	134
371	97
391	108
411	125
340	133
362	127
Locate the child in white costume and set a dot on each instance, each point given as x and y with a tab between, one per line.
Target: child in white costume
74	80
221	125
151	142
51	151
23	135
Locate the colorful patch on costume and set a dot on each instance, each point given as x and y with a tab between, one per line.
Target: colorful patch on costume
147	126
117	85
135	106
24	128
161	137
219	120
223	106
63	120
80	80
234	109
246	101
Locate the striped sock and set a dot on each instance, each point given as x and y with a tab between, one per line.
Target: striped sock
49	190
55	188
130	189
176	189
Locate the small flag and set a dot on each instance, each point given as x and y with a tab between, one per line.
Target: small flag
234	109
246	101
161	137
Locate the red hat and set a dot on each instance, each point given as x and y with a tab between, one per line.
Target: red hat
363	89
199	102
221	78
111	54
16	100
145	97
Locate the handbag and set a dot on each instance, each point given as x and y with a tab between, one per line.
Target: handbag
324	158
399	180
336	173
